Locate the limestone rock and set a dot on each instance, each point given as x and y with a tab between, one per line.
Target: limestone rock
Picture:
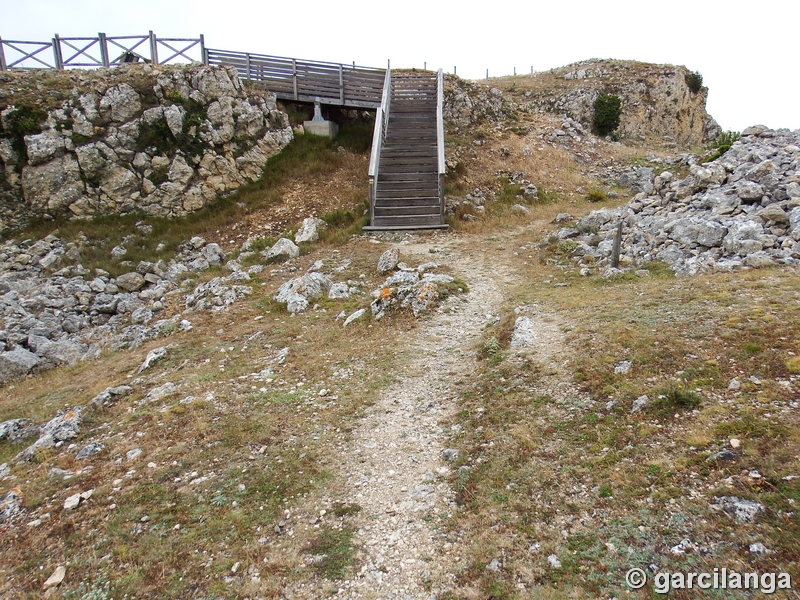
16	363
388	260
523	334
339	291
284	247
120	103
188	161
57	577
89	450
130	282
309	230
155	355
110	395
356	315
53	186
741	511
296	292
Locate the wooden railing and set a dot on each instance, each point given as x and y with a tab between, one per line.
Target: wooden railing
440	135
306	80
289	78
378	138
100	51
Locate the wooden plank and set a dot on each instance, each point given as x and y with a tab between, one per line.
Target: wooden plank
398	195
413	211
387	202
407	223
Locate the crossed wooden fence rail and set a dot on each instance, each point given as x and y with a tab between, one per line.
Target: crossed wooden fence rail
100	51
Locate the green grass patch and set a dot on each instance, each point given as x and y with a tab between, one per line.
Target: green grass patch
332	551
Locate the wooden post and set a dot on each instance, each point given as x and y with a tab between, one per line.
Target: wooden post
615	249
203	57
57	53
515	71
294	76
153	48
247	58
3	66
487	73
101	37
454	71
341	84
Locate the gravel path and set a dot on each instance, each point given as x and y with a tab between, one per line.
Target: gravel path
396	465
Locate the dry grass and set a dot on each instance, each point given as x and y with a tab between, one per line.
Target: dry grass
606	490
148	529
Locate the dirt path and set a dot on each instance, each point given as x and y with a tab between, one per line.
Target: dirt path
396	465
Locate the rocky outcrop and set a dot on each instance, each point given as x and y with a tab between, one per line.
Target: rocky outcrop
467	103
657	102
741	210
51	318
165	140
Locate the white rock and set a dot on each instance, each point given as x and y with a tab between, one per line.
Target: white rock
56	578
309	230
72	502
283	247
153	356
523	334
354	316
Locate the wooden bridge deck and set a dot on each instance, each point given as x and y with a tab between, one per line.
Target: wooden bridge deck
305	80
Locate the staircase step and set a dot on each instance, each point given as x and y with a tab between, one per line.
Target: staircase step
408	179
424	222
396	202
407	211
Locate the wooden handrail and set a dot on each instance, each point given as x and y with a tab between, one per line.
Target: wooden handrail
440	138
440	118
381	121
378	137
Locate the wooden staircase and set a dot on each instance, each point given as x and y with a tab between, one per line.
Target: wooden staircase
407	181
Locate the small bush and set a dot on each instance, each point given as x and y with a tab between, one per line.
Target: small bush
722	144
695	81
22	121
491	347
596	196
607	111
676	398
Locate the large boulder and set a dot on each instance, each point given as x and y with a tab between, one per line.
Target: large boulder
16	363
283	248
296	292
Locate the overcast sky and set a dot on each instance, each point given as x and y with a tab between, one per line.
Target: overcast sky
747	52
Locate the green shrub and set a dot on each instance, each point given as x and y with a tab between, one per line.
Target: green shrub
677	398
20	122
596	196
695	81
722	144
607	111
